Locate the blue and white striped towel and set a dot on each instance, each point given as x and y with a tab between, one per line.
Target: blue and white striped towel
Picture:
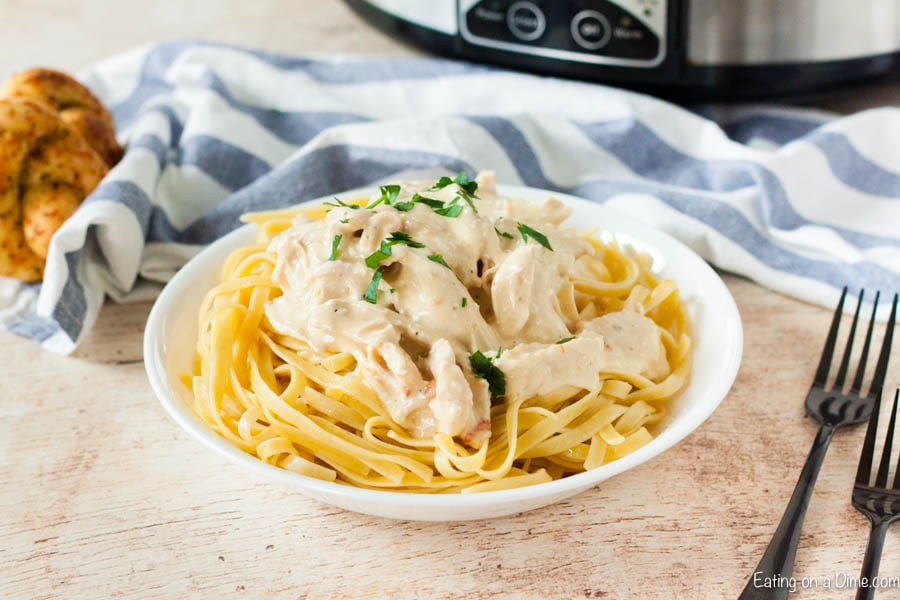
800	202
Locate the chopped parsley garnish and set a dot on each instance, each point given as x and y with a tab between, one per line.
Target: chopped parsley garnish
439	259
435	204
466	190
374	259
345	221
483	367
432	202
467	185
468	200
462	180
464	302
338	202
398	237
335	253
384	250
528	232
564	340
389	195
371	295
441	183
508	236
451	211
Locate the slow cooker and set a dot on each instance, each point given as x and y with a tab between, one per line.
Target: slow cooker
703	48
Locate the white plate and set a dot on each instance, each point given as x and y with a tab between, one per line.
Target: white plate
171	333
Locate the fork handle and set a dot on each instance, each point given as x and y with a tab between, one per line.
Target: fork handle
772	578
872	560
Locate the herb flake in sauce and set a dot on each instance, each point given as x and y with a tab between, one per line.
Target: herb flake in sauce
483	367
504	234
528	232
371	294
469	186
389	195
467	189
441	183
432	202
451	210
375	259
335	252
398	237
439	259
338	202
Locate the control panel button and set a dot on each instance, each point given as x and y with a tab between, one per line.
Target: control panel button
590	29
602	32
526	21
487	19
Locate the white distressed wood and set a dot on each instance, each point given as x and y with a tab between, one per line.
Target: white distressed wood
103	496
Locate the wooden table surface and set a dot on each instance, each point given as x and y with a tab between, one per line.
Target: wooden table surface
103	496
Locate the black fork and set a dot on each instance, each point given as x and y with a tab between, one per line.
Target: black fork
878	501
833	408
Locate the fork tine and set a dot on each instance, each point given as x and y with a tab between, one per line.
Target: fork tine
848	349
864	355
896	485
828	350
881	478
864	470
881	368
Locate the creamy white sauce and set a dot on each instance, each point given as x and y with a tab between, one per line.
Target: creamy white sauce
413	345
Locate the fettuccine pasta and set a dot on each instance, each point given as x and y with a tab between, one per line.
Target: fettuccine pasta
277	379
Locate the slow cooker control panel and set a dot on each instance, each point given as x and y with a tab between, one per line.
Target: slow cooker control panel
615	32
